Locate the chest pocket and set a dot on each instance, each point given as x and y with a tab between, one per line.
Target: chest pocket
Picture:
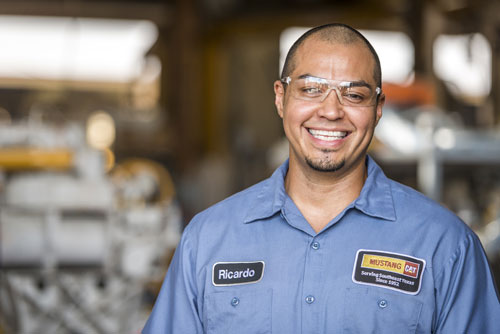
373	310
239	311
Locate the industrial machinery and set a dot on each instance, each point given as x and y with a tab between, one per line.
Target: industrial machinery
79	246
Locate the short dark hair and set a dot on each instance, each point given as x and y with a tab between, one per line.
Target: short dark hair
333	33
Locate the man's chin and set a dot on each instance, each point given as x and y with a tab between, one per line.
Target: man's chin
325	166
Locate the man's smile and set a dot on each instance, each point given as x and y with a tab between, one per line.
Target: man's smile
328	135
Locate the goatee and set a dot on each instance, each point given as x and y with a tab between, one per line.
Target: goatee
325	165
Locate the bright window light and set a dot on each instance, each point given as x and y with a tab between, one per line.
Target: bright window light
464	63
100	130
396	53
56	48
395	50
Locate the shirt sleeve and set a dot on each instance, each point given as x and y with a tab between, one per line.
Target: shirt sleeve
175	309
466	295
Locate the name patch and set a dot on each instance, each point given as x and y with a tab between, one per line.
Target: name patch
233	273
388	270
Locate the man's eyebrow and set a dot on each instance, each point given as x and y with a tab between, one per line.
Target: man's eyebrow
359	83
307	75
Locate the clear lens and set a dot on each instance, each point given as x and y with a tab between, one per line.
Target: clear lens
354	94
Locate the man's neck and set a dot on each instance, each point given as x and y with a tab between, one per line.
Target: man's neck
321	196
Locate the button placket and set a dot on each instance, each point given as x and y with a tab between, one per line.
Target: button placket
313	285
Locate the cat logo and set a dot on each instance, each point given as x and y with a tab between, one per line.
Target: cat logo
388	270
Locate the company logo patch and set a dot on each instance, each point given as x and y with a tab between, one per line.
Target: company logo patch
233	273
388	270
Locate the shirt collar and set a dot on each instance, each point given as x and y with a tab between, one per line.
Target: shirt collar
375	198
272	196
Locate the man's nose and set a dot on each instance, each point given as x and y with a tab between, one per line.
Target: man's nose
331	107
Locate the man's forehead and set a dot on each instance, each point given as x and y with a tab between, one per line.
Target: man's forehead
333	46
314	52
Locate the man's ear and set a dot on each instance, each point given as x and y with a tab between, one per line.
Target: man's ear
279	97
380	105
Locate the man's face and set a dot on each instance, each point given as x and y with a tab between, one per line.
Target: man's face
328	136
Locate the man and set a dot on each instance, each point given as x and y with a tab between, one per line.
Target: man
328	244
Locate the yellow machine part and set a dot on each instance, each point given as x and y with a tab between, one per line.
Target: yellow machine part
30	158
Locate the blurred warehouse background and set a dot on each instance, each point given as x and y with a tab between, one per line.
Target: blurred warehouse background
119	120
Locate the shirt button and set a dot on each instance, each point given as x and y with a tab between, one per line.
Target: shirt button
315	245
382	303
310	299
235	301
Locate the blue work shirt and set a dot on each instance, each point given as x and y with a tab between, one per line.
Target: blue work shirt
392	262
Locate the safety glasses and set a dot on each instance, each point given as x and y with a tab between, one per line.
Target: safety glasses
349	93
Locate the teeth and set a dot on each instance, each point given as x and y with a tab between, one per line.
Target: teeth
327	135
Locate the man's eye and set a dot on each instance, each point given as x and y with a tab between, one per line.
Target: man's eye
311	90
354	97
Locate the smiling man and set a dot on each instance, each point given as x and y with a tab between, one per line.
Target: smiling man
328	244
